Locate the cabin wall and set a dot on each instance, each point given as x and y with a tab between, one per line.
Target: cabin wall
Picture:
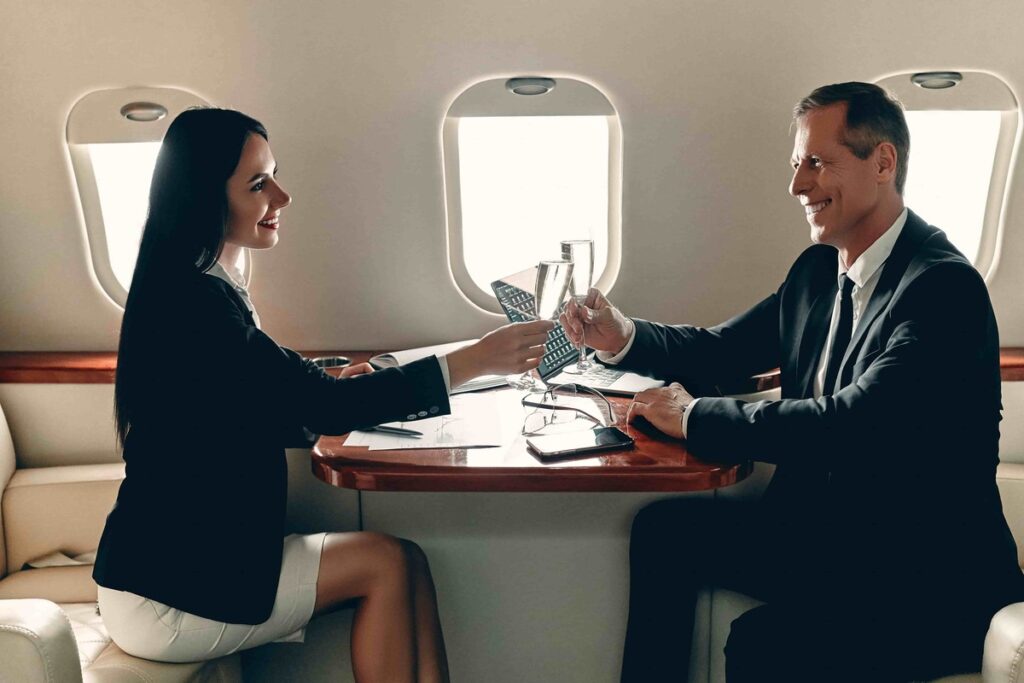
354	94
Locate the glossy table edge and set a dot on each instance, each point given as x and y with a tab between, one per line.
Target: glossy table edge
97	367
354	473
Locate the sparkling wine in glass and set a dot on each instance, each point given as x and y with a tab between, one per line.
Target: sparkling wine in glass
549	292
581	253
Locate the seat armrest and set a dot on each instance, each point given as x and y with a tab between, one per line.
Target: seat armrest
1004	646
37	643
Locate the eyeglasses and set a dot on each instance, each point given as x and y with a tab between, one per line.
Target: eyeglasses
561	405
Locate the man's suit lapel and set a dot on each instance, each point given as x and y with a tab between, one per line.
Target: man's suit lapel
914	232
812	340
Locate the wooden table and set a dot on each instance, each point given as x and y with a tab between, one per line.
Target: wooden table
657	463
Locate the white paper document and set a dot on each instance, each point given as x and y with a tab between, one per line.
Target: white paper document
475	421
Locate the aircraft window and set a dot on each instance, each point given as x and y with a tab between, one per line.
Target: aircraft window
113	138
522	173
527	183
948	180
123	171
963	131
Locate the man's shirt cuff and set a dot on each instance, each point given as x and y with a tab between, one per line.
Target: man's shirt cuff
610	359
685	425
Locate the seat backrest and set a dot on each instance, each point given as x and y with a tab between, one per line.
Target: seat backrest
7	464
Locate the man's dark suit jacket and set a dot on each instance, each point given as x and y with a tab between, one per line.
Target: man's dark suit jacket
199	519
889	482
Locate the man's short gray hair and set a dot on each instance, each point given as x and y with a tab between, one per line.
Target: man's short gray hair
873	116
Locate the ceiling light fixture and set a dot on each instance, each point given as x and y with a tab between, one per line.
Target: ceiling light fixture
936	80
143	111
530	86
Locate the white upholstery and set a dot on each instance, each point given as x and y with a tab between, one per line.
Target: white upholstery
37	643
7	465
42	641
90	633
1004	646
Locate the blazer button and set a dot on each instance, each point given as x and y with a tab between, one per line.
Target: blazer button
410	416
422	413
433	410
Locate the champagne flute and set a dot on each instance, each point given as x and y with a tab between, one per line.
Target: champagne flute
549	291
581	253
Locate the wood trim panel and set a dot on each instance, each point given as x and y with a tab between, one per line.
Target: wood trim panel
1011	362
81	367
91	367
97	367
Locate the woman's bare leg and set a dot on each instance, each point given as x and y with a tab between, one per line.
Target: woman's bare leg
431	655
373	568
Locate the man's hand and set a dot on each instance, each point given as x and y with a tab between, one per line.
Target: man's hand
357	369
514	348
605	327
662	407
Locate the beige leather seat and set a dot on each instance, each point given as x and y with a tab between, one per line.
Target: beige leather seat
49	626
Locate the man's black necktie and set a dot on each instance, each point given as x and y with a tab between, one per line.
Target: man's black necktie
842	338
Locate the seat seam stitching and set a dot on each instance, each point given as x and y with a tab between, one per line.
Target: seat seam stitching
1015	663
36	640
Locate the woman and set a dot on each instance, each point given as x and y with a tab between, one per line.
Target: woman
193	563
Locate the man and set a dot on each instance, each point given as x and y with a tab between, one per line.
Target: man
880	544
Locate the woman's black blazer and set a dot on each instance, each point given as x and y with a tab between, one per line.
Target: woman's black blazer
199	519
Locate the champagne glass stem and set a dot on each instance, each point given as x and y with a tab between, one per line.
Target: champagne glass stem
582	364
581	253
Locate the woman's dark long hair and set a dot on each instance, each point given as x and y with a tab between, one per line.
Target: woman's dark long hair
184	231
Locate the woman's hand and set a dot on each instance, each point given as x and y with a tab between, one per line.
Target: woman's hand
357	369
511	349
606	328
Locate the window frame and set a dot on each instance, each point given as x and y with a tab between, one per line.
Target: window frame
977	91
570	97
96	119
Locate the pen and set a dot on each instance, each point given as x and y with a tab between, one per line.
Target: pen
395	430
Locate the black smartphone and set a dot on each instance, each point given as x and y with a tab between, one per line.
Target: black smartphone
553	446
